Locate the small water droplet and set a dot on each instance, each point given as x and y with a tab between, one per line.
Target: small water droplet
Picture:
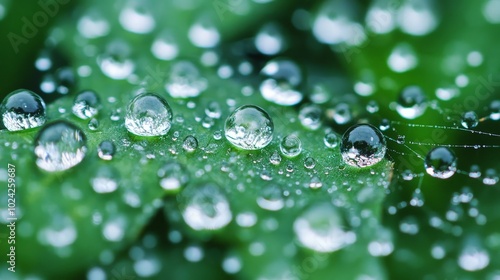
204	34
86	104
115	62
441	163
320	228
310	116
470	119
271	198
148	115
249	127
106	150
269	39
93	124
190	144
213	110
275	158
165	47
205	207
412	102
291	146
315	183
22	109
105	180
282	78
309	163
363	145
59	145
473	258
172	176
331	140
136	18
402	58
385	124
185	80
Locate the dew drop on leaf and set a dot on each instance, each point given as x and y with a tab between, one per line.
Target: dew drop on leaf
59	145
185	80
282	78
249	127
190	144
205	207
106	150
310	116
320	228
271	198
363	145
22	109
105	180
412	102
172	176
291	146
148	114
331	140
470	119
441	163
86	104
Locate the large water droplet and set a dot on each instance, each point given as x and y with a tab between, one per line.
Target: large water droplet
22	109
363	145
86	104
249	127
321	228
185	80
205	207
412	102
148	115
291	146
441	163
282	78
59	146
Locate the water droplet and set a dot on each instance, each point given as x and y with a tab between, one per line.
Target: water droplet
93	25
381	17
22	109
213	110
115	62
105	180
249	127
86	104
165	47
59	145
310	116
291	146
194	253
321	228
315	183
282	77
331	140
93	124
269	39
495	110
232	264
473	258
185	80
60	232
172	176
417	17
271	198
205	207
402	58
441	163
136	18
335	24
490	11
190	144
217	135
385	124
341	113
275	158
470	119
204	34
363	145
491	177
148	115
372	107
309	163
106	150
411	102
